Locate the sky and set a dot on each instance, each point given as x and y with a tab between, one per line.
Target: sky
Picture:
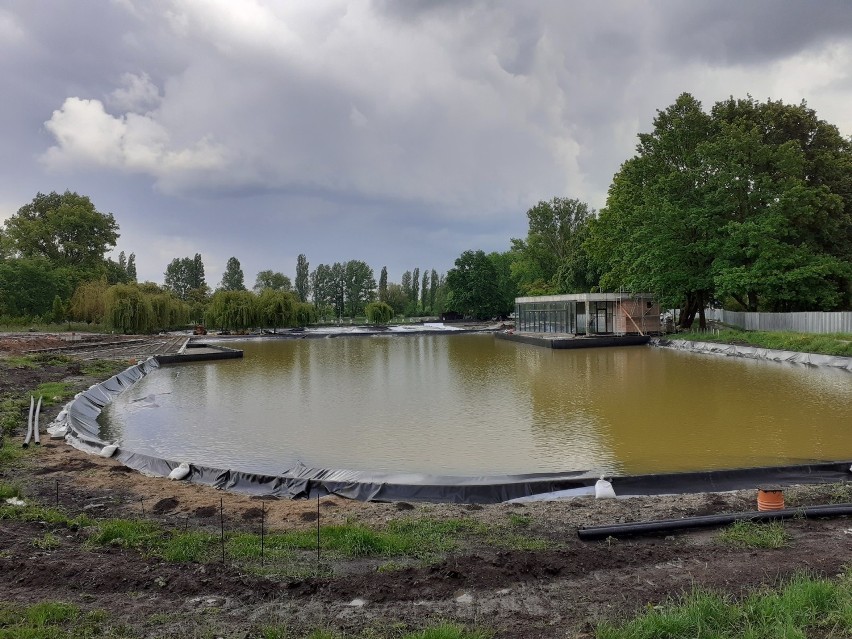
400	133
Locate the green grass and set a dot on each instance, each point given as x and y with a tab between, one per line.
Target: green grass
521	521
8	490
48	541
748	534
188	547
36	512
53	392
127	533
826	344
103	368
802	607
53	620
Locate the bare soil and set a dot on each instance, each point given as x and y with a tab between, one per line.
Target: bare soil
563	591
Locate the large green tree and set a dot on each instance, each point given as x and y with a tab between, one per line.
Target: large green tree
303	280
553	258
749	203
276	308
472	286
66	229
233	278
184	277
271	280
360	286
233	310
781	189
29	285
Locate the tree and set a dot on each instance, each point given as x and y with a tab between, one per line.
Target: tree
424	291
276	308
321	283
505	285
379	313
65	229
28	287
234	310
655	233
178	277
272	281
472	286
553	259
433	291
128	309
360	286
415	290
88	301
406	284
196	273
232	279
396	298
383	284
131	267
786	240
303	282
60	311
750	203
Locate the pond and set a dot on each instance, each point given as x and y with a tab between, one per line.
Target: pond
474	405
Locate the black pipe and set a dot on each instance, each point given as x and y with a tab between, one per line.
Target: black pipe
664	525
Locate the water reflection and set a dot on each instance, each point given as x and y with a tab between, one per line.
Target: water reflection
469	404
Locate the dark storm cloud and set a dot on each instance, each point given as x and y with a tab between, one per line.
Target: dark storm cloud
732	32
401	133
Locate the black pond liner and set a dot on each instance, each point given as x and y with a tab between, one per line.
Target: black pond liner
303	482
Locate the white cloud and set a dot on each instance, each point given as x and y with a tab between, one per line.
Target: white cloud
88	136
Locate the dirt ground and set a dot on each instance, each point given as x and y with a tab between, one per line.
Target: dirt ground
561	591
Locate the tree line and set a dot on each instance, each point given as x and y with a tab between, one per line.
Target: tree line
747	206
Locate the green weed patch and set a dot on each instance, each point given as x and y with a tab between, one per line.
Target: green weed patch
803	607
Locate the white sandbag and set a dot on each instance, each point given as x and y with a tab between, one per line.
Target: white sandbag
603	489
180	472
108	451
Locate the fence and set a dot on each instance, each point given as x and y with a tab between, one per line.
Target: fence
808	322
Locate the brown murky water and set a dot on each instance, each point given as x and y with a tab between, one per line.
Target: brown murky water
470	404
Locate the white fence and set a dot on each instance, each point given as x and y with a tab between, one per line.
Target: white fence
810	322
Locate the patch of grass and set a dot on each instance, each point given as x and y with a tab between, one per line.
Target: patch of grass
35	512
53	392
522	521
802	607
19	361
390	566
48	541
840	493
53	620
127	533
187	547
826	344
13	414
51	612
8	490
103	368
749	534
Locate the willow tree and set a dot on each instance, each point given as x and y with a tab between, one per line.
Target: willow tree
128	310
232	310
88	301
276	309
